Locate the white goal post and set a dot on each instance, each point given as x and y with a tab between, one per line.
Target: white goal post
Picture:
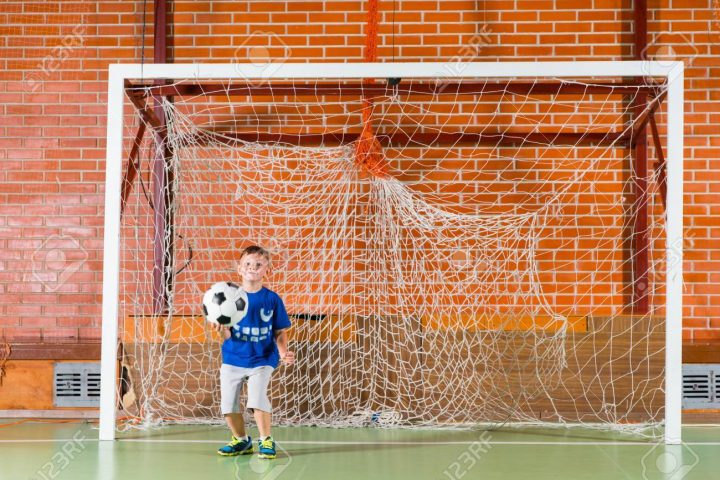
119	74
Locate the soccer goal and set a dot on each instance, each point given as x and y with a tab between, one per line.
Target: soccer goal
458	244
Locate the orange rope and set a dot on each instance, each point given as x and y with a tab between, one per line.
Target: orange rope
3	425
368	151
371	34
5	351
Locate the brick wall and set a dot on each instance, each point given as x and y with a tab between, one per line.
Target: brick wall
52	100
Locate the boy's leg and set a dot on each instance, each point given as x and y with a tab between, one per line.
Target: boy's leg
231	382
238	444
258	400
263	420
236	423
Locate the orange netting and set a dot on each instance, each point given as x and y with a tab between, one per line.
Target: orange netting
368	151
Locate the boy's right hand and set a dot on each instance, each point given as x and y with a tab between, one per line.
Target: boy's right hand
219	328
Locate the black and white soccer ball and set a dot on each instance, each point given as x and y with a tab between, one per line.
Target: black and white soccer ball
225	304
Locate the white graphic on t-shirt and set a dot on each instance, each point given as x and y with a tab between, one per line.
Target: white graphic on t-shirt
265	316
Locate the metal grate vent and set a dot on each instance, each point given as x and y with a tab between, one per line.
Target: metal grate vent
77	384
701	385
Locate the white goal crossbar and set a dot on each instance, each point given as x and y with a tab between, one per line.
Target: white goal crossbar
119	74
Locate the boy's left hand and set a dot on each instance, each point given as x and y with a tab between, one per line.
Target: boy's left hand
288	358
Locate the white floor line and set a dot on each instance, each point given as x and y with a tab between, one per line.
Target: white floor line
491	442
321	442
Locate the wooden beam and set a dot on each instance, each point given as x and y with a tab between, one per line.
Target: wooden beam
139	99
131	170
639	241
55	351
356	89
400	138
163	176
660	164
706	351
640	123
640	29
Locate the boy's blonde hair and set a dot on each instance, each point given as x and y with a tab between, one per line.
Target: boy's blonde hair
255	249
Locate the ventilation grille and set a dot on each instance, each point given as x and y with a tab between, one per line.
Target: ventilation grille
701	385
77	384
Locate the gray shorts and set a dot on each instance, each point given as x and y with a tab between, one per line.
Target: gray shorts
233	378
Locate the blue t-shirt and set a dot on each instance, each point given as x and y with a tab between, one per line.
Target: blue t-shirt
252	341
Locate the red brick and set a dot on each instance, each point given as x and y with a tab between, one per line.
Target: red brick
25	310
22	334
24	154
90	334
24	221
24	109
267	6
40	142
60	334
60	311
8	321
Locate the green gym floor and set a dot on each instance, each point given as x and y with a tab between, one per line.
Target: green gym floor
36	450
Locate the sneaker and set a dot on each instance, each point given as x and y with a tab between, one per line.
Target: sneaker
266	448
237	447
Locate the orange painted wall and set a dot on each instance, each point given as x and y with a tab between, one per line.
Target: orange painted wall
54	57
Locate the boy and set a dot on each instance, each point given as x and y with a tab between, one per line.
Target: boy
251	351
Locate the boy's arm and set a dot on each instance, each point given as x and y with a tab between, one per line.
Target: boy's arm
281	338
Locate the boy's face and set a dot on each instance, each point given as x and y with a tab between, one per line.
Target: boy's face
253	267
